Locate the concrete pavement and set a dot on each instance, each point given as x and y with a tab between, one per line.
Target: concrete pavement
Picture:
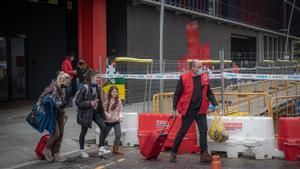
18	139
133	160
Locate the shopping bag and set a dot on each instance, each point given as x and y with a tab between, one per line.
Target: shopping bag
217	131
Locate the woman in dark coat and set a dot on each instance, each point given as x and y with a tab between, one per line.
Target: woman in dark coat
90	109
51	151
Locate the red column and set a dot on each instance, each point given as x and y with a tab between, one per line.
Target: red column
92	32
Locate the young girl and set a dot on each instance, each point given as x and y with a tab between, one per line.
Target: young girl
90	109
113	112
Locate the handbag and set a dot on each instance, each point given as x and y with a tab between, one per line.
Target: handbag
37	117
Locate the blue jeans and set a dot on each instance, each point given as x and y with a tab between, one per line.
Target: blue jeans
117	129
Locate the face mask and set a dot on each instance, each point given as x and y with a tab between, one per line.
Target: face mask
199	71
93	84
72	58
63	86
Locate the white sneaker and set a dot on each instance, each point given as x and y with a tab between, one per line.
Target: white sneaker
103	151
83	154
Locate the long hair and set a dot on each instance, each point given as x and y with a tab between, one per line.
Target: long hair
63	78
109	96
87	76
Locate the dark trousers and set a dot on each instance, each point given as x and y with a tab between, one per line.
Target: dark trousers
55	139
101	124
68	93
117	129
187	121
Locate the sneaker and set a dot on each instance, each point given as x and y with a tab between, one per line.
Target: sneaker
83	154
103	151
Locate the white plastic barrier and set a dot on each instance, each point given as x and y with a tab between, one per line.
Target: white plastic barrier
129	127
246	134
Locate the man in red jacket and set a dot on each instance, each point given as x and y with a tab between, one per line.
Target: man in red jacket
67	67
235	69
191	100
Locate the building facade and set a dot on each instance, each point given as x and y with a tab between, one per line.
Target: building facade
35	35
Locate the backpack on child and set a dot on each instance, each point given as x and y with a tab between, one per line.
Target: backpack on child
74	106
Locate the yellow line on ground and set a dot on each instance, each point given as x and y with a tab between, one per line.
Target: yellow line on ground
100	167
121	159
108	164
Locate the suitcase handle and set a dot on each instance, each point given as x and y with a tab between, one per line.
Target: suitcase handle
171	117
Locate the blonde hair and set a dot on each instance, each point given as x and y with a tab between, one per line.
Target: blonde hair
63	78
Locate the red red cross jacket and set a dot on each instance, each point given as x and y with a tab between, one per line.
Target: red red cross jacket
184	92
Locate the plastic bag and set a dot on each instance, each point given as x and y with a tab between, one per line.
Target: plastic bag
217	131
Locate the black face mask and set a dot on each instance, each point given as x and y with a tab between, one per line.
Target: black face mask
63	86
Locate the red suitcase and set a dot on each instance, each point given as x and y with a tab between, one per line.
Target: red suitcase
41	146
42	143
155	141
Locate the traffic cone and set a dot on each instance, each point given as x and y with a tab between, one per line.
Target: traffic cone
216	162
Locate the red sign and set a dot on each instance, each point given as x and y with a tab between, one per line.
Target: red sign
192	37
195	49
230	126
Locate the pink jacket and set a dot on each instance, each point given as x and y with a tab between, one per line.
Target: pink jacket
115	115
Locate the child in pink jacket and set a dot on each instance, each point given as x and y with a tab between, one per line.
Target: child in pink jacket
113	112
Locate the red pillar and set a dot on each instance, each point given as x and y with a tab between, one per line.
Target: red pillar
92	32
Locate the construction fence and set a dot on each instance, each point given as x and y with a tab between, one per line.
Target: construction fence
265	88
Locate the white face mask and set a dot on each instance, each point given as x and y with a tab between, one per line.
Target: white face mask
72	58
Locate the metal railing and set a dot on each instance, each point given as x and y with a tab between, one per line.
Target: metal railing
235	103
254	104
283	106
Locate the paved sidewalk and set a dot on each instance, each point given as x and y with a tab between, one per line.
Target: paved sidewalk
133	160
18	139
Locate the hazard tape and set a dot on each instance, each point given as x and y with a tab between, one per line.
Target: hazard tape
213	76
150	76
231	69
281	67
260	76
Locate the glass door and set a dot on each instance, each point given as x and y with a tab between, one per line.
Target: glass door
17	65
12	68
3	70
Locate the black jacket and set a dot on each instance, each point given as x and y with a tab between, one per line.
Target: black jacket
85	110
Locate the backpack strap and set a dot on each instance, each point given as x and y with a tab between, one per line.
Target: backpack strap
87	94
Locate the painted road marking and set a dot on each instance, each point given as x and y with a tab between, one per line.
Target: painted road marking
108	164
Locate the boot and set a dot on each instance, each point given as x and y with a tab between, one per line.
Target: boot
59	158
48	154
205	157
173	157
116	150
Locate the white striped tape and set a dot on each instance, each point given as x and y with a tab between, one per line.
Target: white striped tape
151	76
261	76
214	76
